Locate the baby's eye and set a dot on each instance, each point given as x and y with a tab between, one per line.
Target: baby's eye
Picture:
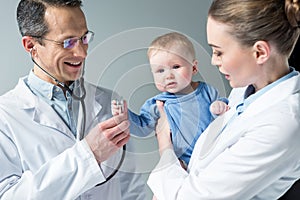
160	70
176	66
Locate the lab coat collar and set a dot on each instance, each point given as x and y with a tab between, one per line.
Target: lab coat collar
210	139
39	110
43	114
277	94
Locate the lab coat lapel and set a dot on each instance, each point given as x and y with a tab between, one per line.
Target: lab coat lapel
213	132
260	105
46	116
41	112
93	108
211	143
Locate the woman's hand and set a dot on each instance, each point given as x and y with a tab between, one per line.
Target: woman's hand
162	130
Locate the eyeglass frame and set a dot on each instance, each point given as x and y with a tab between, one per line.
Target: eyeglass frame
65	42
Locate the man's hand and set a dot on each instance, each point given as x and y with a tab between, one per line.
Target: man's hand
108	136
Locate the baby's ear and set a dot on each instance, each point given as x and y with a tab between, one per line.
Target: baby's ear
195	67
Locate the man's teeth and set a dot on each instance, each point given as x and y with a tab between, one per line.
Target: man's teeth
77	63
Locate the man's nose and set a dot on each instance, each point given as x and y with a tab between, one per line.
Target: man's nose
80	49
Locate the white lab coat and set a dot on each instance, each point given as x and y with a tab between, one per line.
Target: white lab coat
41	159
255	157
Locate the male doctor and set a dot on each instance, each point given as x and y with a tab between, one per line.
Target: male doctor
42	156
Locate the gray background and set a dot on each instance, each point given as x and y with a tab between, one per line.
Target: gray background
117	57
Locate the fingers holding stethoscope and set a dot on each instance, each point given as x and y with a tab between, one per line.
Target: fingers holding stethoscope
116	129
108	136
123	125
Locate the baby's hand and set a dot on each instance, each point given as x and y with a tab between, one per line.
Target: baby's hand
218	107
116	107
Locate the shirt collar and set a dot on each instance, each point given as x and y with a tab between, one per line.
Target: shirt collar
249	91
250	95
45	89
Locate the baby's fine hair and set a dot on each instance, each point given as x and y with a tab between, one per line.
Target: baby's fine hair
274	21
172	41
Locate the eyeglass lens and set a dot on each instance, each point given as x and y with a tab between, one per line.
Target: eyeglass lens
85	39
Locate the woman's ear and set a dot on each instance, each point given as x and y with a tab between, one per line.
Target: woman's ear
262	51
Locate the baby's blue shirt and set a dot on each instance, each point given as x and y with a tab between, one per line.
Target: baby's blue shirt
188	116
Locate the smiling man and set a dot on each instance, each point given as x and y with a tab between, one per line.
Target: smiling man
45	152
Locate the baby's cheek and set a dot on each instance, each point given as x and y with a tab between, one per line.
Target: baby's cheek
160	87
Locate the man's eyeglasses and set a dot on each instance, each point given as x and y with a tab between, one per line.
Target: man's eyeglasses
69	43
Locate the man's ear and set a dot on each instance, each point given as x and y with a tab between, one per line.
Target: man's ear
262	51
28	43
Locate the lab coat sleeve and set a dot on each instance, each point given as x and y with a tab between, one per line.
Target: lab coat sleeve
65	176
132	182
236	96
166	179
268	150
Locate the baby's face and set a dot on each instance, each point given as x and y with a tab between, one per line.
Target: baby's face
171	72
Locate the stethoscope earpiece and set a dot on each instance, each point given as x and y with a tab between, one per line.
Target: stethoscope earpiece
32	50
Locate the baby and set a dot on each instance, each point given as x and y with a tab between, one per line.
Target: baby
190	106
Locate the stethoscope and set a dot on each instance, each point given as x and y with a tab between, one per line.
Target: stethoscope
80	98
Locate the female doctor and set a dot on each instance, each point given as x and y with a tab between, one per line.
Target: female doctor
252	151
44	153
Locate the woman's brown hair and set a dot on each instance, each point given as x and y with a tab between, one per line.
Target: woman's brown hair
274	21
